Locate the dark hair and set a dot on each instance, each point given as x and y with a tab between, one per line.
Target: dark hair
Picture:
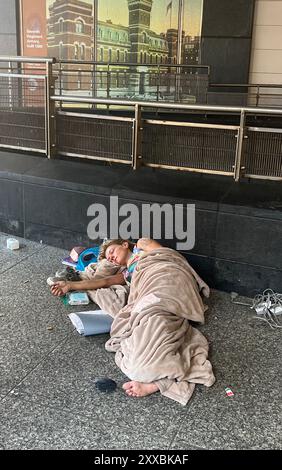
118	241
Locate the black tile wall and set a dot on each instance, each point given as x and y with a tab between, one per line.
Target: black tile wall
238	226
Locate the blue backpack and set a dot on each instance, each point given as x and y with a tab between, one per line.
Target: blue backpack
90	255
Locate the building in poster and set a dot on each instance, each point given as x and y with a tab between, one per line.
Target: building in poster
71	31
191	50
70	37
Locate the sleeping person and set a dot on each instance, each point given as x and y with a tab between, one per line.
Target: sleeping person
153	340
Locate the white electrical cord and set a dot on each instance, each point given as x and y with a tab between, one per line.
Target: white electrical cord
268	307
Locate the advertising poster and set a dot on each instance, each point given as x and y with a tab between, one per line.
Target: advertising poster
33	44
34	39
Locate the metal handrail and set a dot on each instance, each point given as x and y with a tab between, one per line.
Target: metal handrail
151	104
132	64
245	85
22	75
50	60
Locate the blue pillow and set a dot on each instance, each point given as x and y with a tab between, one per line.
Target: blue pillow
90	255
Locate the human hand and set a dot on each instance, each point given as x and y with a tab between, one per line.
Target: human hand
60	288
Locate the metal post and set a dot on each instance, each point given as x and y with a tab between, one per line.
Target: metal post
108	85
179	47
180	28
257	96
108	81
136	139
60	81
239	147
50	130
95	50
158	83
10	86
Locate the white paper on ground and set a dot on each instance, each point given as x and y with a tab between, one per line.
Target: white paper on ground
93	322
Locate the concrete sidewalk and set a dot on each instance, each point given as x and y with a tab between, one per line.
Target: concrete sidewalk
48	400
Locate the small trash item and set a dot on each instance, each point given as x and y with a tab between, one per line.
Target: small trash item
76	252
234	296
229	392
13	244
77	298
104	384
50	328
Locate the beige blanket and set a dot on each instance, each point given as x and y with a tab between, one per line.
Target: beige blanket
151	335
112	299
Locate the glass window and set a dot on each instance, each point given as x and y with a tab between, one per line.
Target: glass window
135	31
76	52
79	80
79	27
82	52
61	25
157	28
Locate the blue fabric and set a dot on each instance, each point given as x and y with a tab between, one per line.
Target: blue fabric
90	255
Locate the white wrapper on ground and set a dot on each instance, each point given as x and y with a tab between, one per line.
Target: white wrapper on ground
93	322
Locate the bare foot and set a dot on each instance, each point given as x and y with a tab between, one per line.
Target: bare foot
139	389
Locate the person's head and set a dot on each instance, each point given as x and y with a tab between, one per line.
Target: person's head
117	251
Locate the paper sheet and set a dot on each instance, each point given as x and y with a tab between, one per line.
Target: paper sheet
93	322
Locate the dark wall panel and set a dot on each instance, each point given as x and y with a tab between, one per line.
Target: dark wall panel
228	57
226	39
227	18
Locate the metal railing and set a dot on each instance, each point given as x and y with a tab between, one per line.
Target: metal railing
185	145
250	94
135	132
27	118
125	80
